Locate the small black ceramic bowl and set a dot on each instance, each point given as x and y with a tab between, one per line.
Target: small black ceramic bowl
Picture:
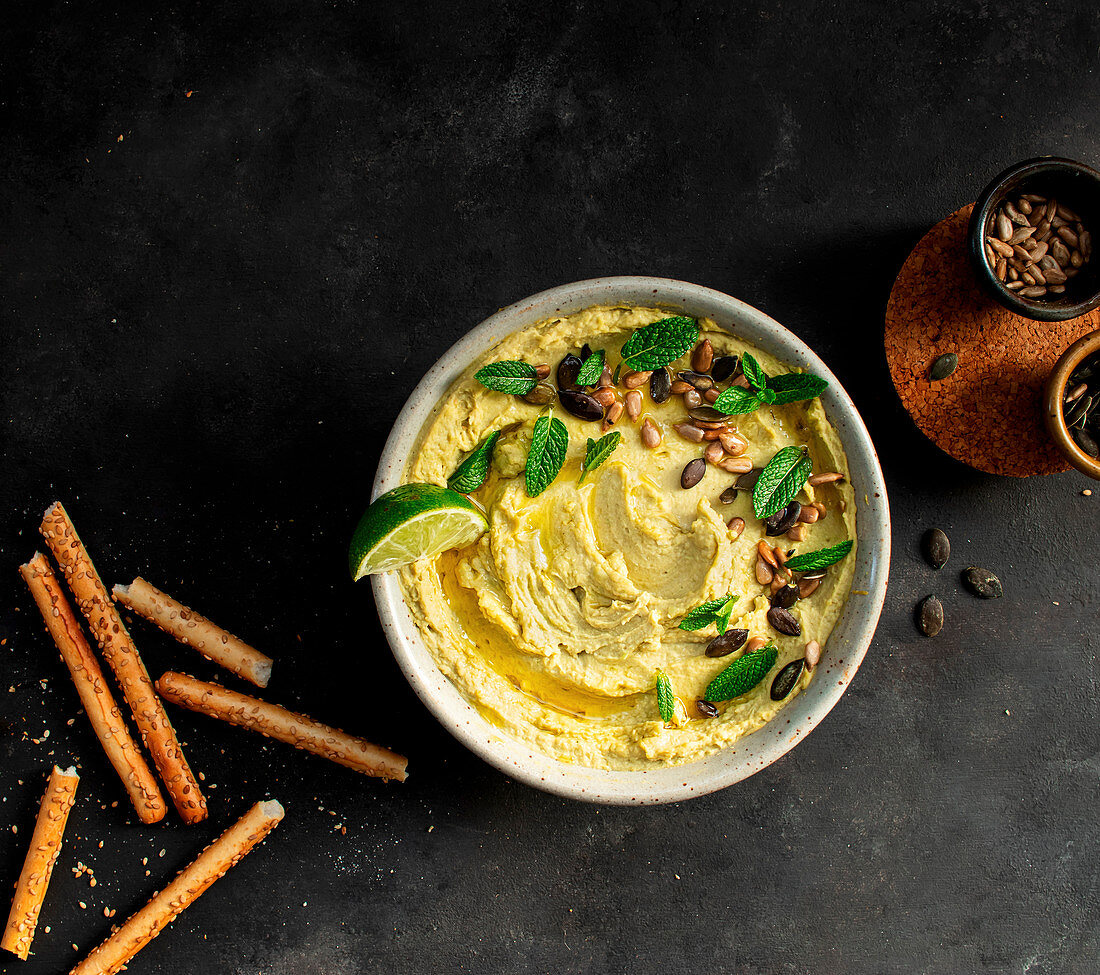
1073	184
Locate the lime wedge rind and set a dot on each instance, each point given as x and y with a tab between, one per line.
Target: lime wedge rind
410	523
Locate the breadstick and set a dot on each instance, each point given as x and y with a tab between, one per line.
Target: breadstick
95	695
277	722
120	652
196	631
190	883
30	889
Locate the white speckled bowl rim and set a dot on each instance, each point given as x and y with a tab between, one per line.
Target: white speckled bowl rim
846	646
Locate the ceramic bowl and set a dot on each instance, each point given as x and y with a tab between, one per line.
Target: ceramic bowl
1056	392
1078	187
846	646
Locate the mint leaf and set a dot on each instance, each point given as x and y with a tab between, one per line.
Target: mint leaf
509	376
780	481
742	675
549	443
659	343
471	473
591	369
795	386
666	700
598	451
736	400
821	559
753	373
716	611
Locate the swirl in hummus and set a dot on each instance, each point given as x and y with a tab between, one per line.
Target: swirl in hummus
554	623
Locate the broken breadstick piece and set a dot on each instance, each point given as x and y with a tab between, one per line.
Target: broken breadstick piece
277	722
187	626
191	882
30	889
92	688
122	656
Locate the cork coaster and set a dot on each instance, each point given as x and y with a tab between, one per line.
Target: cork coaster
989	412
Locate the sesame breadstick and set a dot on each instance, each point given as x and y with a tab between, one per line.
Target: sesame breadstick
122	656
187	626
190	883
277	722
92	688
30	889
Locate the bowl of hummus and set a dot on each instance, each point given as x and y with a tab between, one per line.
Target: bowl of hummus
688	543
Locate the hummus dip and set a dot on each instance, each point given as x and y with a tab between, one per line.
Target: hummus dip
554	623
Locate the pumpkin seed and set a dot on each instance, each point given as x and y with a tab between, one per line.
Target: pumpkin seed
786	679
567	371
729	495
782	521
930	616
983	583
943	366
727	642
540	395
723	367
693	473
784	621
581	405
706	709
936	547
747	481
786	597
660	385
698	380
708	414
1086	442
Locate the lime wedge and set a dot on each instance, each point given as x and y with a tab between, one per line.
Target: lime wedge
411	522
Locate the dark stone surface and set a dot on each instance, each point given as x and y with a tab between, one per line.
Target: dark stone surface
213	307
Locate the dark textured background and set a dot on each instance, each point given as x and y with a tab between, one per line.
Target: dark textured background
212	308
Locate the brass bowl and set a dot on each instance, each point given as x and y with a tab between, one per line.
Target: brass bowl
1055	393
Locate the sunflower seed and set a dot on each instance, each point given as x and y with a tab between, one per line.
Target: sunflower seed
703	356
651	434
689	432
1068	236
813	654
